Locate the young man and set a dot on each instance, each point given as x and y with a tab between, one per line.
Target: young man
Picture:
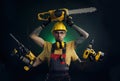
59	54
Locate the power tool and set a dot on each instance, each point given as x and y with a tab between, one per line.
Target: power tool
90	54
23	54
60	14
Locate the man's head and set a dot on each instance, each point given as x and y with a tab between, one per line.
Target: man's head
59	31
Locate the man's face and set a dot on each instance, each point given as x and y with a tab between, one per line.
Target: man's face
59	35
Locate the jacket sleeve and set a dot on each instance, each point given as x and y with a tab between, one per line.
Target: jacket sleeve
83	34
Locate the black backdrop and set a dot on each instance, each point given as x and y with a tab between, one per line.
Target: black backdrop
19	17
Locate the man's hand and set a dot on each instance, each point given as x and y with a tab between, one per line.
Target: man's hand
69	21
45	23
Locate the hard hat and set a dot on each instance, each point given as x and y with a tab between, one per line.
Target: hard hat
59	26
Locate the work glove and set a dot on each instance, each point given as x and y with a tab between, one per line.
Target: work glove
69	21
45	23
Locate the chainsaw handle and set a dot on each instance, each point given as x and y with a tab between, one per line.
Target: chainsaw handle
41	18
51	14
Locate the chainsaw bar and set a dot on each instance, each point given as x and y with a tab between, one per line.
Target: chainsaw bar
82	10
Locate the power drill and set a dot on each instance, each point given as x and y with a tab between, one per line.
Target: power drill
23	54
89	53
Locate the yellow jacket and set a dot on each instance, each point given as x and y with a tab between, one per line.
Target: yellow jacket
70	52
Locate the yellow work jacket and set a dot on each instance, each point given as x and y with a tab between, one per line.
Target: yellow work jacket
70	52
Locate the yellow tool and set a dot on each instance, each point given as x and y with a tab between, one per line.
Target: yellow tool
60	14
55	15
89	53
24	54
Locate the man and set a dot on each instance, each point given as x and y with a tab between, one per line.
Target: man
59	54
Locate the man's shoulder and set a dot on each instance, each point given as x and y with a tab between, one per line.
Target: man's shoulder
47	44
70	42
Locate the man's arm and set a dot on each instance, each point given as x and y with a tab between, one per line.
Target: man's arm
83	34
35	34
36	62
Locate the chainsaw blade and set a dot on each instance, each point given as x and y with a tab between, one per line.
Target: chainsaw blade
82	10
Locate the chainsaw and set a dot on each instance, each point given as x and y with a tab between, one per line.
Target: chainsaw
60	14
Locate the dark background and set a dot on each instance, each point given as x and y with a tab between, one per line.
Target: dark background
19	17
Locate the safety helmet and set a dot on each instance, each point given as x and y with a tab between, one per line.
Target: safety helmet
59	26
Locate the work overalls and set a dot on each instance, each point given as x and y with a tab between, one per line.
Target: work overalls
58	68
